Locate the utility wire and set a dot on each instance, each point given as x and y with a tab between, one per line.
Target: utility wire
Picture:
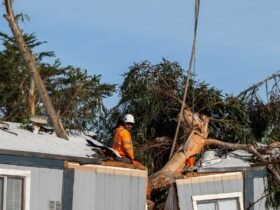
196	14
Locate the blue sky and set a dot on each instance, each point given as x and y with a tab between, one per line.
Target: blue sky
238	41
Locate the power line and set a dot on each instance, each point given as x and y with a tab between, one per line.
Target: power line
192	58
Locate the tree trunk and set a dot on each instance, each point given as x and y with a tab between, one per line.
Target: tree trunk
165	177
31	98
194	145
31	66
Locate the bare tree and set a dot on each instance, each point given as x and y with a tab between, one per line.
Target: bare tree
31	66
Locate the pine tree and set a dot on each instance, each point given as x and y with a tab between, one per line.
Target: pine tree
77	96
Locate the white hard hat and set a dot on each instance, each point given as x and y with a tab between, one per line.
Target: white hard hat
128	118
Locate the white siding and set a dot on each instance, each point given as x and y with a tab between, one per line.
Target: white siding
206	185
108	188
46	185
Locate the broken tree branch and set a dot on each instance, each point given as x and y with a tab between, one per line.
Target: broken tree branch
195	144
254	87
249	148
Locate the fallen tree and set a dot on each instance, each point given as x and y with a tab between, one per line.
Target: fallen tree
35	75
196	127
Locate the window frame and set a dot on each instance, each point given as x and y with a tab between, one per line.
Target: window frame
209	197
26	176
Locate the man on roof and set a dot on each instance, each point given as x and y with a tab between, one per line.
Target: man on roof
122	141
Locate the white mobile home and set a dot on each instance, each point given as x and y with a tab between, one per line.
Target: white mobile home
229	184
36	173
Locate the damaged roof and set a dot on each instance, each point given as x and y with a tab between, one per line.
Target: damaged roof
231	161
18	141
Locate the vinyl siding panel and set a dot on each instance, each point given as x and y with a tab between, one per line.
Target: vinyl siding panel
205	185
255	188
109	188
46	185
84	190
93	188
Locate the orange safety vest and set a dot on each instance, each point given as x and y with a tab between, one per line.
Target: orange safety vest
122	142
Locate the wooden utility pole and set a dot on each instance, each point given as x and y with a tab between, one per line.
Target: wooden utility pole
31	66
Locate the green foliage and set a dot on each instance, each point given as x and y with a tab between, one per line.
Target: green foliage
264	112
14	79
146	93
273	192
153	94
26	124
76	96
230	121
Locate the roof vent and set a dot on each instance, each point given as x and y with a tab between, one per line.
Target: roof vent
37	122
